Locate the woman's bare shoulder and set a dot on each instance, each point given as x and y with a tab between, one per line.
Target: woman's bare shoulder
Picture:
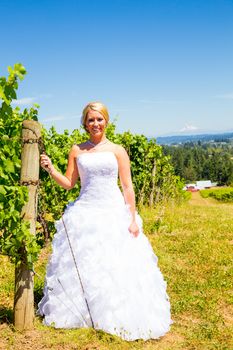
76	149
119	150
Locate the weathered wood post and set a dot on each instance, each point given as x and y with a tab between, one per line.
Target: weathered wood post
24	298
152	193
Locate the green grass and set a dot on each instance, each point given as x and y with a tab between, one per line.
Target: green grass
194	245
221	194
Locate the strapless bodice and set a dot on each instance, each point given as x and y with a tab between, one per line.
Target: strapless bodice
98	173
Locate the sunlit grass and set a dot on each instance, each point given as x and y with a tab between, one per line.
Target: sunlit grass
194	244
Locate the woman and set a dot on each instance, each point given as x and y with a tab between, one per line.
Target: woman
103	271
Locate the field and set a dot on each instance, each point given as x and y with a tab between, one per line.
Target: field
194	244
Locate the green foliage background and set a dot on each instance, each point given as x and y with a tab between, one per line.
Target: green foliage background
143	154
15	238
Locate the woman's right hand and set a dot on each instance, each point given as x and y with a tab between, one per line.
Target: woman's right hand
46	163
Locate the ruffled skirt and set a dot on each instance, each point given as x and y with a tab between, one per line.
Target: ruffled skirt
122	290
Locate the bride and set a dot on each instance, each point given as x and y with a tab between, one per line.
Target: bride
103	272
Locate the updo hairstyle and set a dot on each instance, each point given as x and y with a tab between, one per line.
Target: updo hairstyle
94	106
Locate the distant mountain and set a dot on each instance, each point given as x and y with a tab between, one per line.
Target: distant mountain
178	139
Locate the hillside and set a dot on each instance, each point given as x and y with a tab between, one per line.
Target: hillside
195	249
178	139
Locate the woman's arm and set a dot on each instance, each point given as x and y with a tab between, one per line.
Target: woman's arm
68	180
127	186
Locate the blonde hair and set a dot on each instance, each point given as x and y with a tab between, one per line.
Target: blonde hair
94	106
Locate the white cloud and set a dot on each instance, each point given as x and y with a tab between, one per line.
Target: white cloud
53	118
228	96
28	101
24	101
116	110
74	117
60	117
188	128
160	101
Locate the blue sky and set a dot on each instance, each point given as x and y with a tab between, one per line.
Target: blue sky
160	66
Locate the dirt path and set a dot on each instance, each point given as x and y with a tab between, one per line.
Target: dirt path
197	199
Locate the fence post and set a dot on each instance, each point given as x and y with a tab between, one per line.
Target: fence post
24	297
152	193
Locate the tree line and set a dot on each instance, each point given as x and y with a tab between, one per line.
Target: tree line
202	161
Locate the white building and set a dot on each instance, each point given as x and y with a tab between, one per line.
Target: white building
199	185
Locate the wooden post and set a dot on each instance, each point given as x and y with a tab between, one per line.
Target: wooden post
24	298
151	200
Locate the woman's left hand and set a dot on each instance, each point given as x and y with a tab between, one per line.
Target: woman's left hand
134	229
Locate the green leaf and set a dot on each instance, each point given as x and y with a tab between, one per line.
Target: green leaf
2	190
9	166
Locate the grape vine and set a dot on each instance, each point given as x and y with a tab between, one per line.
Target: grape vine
153	175
15	237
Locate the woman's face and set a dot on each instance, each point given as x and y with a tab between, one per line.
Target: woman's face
95	123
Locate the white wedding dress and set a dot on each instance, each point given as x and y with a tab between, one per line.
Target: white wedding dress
123	285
